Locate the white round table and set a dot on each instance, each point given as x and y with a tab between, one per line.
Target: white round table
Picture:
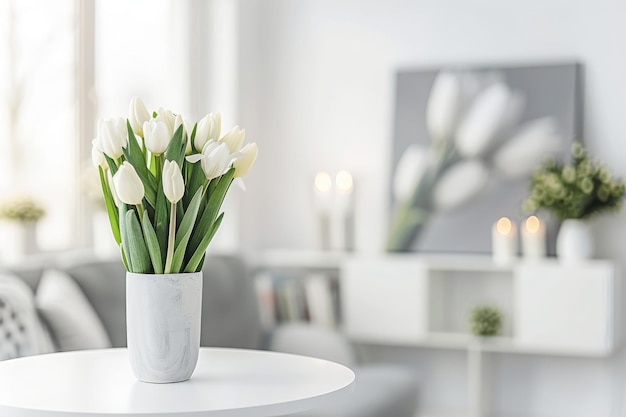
226	383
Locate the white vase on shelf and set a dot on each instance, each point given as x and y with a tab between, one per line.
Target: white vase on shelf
19	239
574	242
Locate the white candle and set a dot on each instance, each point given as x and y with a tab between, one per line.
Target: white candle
322	189
343	211
533	238
504	241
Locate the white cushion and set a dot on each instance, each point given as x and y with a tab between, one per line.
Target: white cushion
21	332
71	318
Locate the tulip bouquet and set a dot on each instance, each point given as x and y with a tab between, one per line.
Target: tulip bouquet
470	120
163	187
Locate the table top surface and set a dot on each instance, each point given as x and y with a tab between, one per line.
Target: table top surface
226	383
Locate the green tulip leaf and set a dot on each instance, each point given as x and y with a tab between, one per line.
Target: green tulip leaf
123	209
153	245
112	211
197	259
161	220
111	163
195	181
176	149
138	252
193	137
183	232
215	200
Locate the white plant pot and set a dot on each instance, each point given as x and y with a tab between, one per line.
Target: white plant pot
163	325
20	240
574	242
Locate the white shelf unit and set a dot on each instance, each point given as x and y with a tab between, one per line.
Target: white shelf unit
548	308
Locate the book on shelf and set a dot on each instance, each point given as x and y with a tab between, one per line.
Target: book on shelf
285	298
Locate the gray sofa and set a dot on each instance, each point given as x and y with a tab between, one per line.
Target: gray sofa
230	319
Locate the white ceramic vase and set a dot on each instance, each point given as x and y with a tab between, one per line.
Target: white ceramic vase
163	325
574	242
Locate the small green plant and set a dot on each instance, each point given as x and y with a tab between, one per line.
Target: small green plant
485	321
577	190
21	209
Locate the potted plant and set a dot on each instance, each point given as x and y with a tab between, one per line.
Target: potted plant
23	212
574	192
163	187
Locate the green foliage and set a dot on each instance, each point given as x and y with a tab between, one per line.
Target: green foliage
576	190
21	209
485	321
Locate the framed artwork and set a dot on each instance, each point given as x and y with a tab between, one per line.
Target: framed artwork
547	97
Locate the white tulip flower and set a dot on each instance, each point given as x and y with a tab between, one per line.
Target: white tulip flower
112	136
128	185
245	160
409	171
168	117
459	184
527	148
445	104
157	136
137	115
493	111
97	157
173	184
215	160
208	130
234	139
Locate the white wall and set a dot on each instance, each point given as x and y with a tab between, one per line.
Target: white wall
316	93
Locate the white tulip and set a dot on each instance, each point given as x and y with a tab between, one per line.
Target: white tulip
179	120
493	111
245	160
173	184
157	136
459	184
168	117
137	115
409	171
445	104
128	185
208	130
234	139
215	160
97	157
112	136
527	148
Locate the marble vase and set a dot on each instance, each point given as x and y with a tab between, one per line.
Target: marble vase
163	313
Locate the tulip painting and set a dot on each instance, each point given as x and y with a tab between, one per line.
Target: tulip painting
471	122
164	185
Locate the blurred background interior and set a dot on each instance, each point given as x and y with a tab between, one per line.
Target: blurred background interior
383	127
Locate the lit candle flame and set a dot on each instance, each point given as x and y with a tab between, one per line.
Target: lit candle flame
504	226
533	224
344	181
323	182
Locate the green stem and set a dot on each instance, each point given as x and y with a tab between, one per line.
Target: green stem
144	151
140	211
159	167
171	240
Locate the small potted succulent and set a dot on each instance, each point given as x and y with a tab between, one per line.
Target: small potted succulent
485	321
574	192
